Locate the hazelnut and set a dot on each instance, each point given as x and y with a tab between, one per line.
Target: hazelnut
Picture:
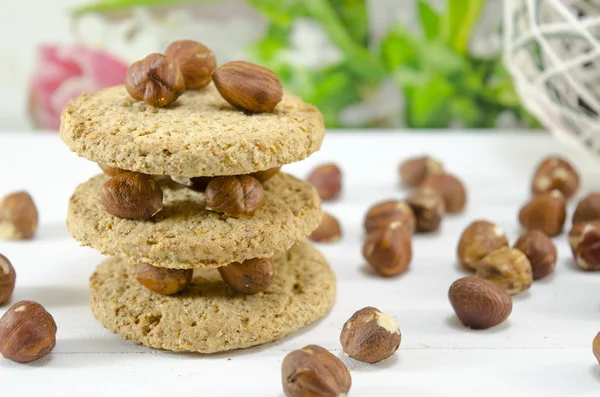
161	280
314	372
507	267
328	231
596	347
7	279
263	176
195	60
479	239
555	173
27	332
132	195
415	170
389	250
111	171
234	195
576	233
248	86
385	213
546	212
249	277
327	179
587	252
450	188
428	207
370	336
479	303
197	184
540	251
18	217
156	80
588	209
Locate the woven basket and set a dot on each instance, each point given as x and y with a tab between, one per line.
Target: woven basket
552	50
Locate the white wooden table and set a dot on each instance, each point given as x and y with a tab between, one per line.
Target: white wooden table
544	349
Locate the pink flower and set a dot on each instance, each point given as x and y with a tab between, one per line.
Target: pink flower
65	71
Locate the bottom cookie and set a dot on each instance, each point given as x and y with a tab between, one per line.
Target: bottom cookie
207	317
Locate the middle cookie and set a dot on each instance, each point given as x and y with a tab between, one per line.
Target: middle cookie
184	235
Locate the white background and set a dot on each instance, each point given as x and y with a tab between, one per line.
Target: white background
544	349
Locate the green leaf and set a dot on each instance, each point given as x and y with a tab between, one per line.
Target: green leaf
398	49
116	5
428	106
282	12
460	19
430	20
438	56
355	17
265	50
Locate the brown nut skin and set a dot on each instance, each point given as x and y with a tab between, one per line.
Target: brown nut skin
385	213
450	188
577	232
507	267
156	80
7	279
248	86
540	251
239	195
329	230
132	195
415	170
479	239
327	179
588	209
389	250
196	61
555	173
596	347
546	212
18	217
263	176
27	332
370	336
587	252
314	372
197	184
429	209
111	171
163	281
249	277
479	303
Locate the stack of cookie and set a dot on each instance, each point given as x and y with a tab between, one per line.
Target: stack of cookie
204	232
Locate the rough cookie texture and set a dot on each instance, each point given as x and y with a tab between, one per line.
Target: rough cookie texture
207	317
184	235
198	135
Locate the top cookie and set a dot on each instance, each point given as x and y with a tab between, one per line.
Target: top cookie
198	135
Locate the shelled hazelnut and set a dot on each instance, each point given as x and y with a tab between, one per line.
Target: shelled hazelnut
132	195
479	239
450	188
370	336
587	251
18	217
389	250
479	303
429	209
314	372
249	277
196	62
27	332
578	230
415	170
239	195
155	80
555	173
248	86
588	209
111	171
263	176
546	212
327	179
540	251
328	231
161	280
596	347
7	279
507	267
384	213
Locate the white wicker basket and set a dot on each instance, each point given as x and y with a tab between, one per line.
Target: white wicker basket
552	50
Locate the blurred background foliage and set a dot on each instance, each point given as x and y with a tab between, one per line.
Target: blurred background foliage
429	76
